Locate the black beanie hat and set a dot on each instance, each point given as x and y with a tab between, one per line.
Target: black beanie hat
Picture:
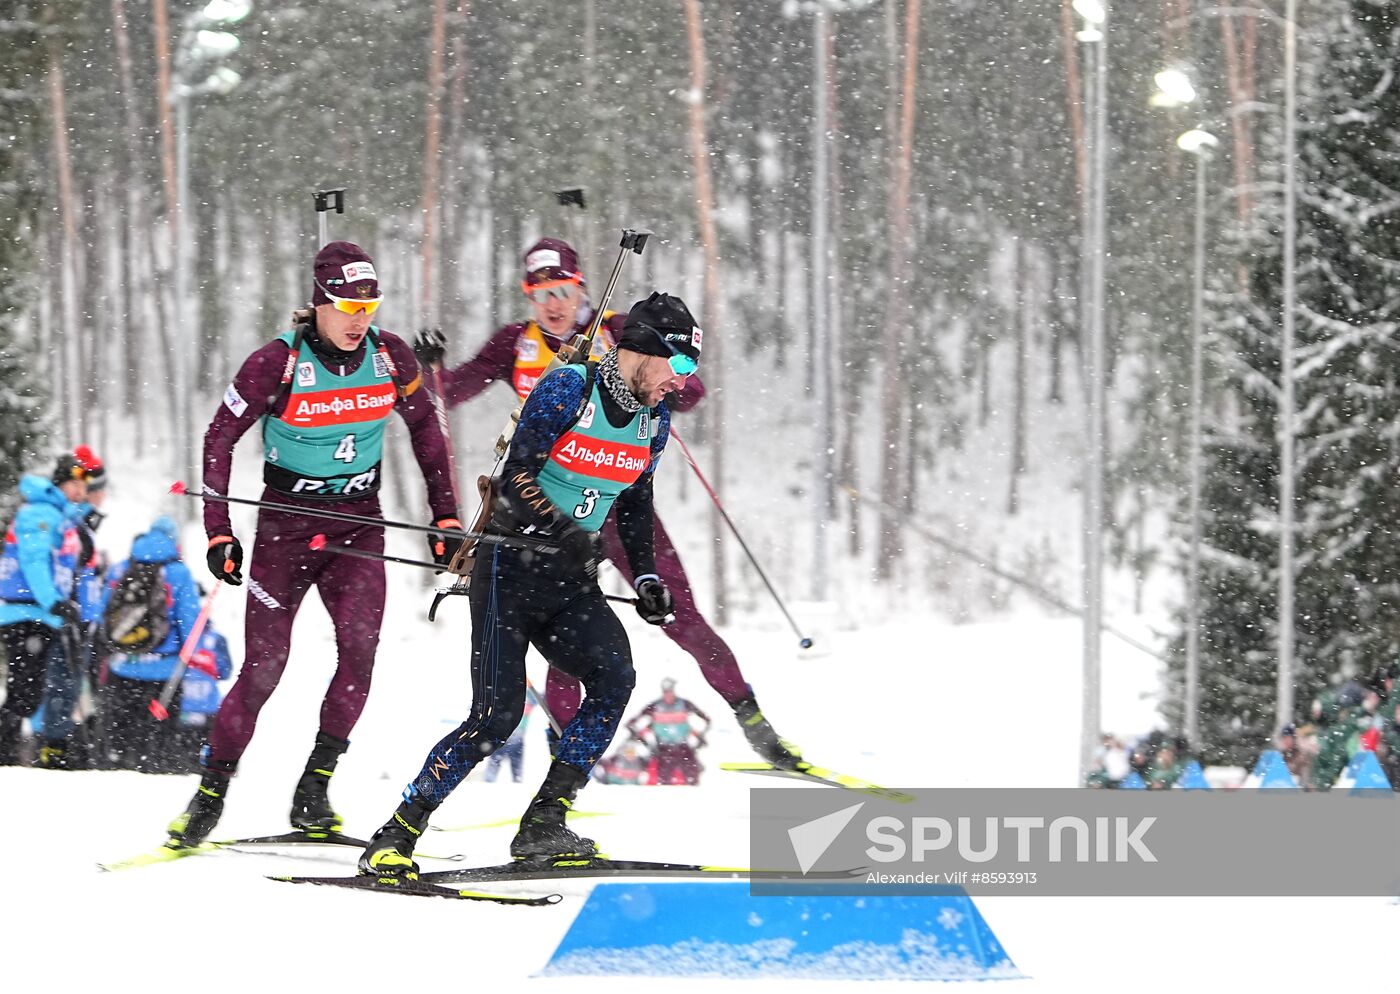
658	324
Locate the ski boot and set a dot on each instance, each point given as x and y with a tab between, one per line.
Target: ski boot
311	807
193	825
53	756
543	834
390	849
764	740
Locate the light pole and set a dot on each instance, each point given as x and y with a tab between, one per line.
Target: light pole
1095	15
1200	144
198	43
821	327
1287	415
1288	410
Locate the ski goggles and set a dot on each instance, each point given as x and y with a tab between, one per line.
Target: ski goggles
347	306
555	291
681	364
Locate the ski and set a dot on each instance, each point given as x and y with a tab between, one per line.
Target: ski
816	774
511	822
600	866
420	888
308	838
162	854
168	853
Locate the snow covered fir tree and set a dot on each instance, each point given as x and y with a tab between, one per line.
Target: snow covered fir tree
1347	403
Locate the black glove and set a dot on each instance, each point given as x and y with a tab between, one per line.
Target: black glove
580	548
430	346
654	601
67	611
223	551
444	547
93	518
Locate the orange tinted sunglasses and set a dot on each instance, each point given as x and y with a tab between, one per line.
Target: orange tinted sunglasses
348	306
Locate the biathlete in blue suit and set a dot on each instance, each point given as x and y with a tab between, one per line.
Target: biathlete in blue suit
589	437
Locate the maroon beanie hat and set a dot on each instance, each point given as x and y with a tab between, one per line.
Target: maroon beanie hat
344	270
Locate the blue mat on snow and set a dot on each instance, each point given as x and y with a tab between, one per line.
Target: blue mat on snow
720	930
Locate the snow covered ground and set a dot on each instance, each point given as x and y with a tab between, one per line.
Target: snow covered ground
917	704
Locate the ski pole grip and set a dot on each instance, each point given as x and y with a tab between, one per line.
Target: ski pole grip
324	200
635	239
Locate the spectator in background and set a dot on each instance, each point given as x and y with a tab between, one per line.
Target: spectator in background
135	740
1111	763
668	720
200	696
38	617
1297	755
1165	769
1333	722
625	766
87	591
1389	752
512	749
1365	732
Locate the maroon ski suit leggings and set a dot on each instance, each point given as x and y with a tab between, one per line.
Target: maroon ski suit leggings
281	570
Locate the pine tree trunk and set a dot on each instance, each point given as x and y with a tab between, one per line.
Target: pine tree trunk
431	165
69	394
92	331
1074	96
709	239
1240	90
895	435
1020	320
175	373
208	299
449	293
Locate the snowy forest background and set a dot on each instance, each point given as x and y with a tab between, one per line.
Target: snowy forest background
958	158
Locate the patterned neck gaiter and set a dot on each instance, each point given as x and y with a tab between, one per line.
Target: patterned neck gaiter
615	385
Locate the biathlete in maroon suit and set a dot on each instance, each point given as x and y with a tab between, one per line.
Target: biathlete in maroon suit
323	393
517	354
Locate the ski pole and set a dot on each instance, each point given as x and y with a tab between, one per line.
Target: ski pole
539	703
803	640
167	693
524	541
319	543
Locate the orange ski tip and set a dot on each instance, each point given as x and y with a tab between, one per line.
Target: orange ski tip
178	487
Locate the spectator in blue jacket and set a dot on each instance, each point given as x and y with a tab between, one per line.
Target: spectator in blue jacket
37	567
134	739
200	697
